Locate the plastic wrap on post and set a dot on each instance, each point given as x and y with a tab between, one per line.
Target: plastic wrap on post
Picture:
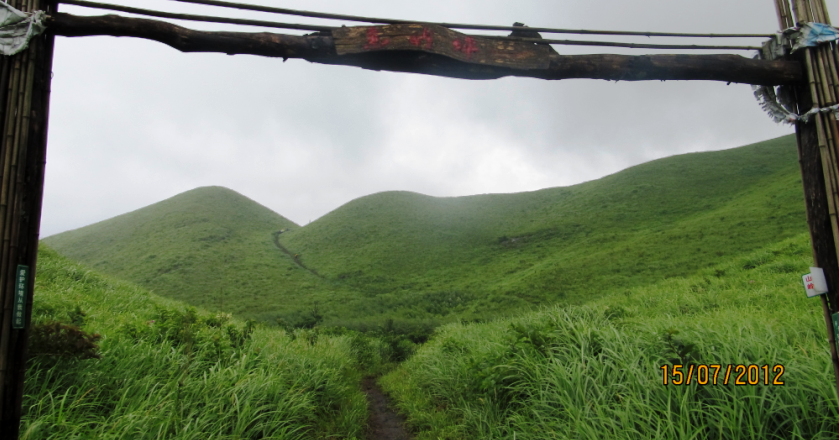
780	105
813	34
17	28
775	48
768	101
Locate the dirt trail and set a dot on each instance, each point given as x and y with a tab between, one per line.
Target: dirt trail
294	257
384	423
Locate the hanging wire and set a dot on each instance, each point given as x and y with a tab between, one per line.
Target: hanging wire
629	45
455	25
271	24
205	18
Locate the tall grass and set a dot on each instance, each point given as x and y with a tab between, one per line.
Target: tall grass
594	371
171	372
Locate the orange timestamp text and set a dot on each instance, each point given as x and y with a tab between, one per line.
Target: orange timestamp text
714	374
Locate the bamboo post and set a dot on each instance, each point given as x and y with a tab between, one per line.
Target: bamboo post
818	149
784	14
24	107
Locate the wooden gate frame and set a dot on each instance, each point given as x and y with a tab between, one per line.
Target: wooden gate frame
404	47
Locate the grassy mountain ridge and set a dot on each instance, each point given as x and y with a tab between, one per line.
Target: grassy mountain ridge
647	221
413	257
209	246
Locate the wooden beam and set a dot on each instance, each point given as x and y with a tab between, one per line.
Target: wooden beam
321	48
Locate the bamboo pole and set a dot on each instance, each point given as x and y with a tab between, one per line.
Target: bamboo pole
802	12
781	12
29	201
795	7
785	15
24	84
829	167
9	178
825	12
823	87
17	181
834	74
19	178
820	12
828	97
8	147
8	261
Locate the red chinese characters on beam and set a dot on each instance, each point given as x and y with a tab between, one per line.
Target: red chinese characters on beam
425	39
466	45
373	40
441	41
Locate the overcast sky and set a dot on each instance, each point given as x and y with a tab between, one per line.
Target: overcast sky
134	121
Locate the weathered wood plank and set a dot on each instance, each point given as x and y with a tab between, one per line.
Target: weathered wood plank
320	48
442	41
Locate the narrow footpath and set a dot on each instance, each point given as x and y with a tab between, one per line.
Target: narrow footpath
294	257
384	423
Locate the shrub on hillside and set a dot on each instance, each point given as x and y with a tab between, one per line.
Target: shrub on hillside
239	337
61	341
188	329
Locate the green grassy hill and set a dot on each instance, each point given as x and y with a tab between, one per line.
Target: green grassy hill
209	246
591	372
492	252
424	259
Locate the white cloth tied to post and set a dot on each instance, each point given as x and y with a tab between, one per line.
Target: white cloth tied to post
779	104
17	28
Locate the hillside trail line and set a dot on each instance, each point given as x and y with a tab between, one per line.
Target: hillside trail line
294	257
384	423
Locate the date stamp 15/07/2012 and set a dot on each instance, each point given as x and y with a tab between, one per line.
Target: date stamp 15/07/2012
716	374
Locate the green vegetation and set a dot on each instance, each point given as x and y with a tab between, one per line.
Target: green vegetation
662	219
689	260
152	368
422	261
210	247
594	371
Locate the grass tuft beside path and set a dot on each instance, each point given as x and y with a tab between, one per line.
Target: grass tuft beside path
171	371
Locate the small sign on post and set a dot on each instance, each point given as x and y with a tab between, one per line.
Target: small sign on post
814	282
19	310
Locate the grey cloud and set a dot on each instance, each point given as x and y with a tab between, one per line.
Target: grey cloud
135	121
